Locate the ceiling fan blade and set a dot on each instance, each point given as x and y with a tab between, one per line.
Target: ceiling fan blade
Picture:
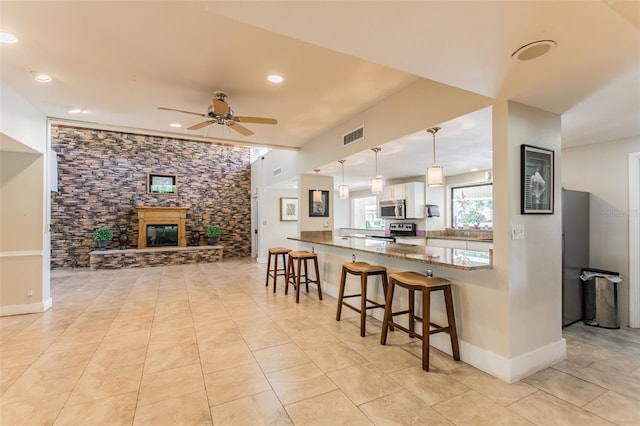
180	110
220	107
201	125
258	120
241	129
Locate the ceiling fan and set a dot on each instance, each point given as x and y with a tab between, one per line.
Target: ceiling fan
220	112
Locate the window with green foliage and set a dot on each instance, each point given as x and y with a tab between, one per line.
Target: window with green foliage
365	210
472	206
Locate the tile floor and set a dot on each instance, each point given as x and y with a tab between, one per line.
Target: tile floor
209	344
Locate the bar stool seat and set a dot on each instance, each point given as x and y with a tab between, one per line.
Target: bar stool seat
413	281
363	270
275	272
297	261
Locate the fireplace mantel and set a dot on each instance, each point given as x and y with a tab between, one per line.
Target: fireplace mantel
148	215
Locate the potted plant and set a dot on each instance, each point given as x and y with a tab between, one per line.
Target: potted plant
213	232
102	235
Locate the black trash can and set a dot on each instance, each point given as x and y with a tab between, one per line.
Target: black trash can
600	298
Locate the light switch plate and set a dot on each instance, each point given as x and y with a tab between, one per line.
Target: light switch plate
517	232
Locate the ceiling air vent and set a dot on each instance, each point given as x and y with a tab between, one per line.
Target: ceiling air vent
277	171
354	136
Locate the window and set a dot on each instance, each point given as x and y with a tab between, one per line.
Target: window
472	206
365	210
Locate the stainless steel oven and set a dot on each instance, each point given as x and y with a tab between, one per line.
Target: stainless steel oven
395	209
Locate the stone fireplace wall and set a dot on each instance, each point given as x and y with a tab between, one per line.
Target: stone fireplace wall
102	177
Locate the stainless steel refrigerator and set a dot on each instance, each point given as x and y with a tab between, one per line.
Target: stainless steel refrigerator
575	252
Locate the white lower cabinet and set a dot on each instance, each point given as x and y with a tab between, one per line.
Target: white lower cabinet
460	244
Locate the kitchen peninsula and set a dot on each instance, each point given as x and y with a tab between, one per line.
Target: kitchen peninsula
467	260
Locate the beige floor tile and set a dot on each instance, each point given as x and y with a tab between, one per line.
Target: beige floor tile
234	383
431	387
332	408
128	324
471	408
619	382
363	383
334	357
280	357
103	384
170	384
42	411
37	385
495	389
402	408
390	358
51	360
9	375
259	409
190	409
109	357
616	408
313	338
300	382
161	357
260	339
544	409
215	358
115	410
564	386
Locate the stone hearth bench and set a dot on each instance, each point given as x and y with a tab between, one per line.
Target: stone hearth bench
158	256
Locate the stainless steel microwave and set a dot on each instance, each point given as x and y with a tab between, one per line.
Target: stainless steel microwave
395	209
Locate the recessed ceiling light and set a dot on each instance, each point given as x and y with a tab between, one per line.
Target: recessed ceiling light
175	125
74	110
275	78
533	50
43	78
474	169
8	38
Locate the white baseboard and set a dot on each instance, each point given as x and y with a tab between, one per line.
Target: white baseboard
261	260
27	308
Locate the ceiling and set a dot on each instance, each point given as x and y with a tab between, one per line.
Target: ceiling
119	61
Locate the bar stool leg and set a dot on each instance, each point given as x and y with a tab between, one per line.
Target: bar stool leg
363	303
275	272
315	263
412	315
426	315
448	300
299	280
268	269
288	275
387	313
343	279
306	274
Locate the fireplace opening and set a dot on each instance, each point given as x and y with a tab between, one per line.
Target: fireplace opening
162	235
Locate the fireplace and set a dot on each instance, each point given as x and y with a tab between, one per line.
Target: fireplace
161	227
162	235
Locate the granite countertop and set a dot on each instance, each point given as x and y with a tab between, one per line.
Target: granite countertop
468	260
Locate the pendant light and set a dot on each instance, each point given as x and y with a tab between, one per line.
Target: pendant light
434	173
317	194
376	181
343	189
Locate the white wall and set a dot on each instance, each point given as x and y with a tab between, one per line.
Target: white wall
602	170
24	206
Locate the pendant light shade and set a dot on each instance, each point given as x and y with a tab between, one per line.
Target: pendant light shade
343	190
317	194
377	181
434	173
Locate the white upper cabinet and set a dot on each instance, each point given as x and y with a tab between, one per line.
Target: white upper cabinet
413	193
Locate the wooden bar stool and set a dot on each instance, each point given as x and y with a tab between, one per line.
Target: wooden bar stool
298	260
363	270
413	282
275	272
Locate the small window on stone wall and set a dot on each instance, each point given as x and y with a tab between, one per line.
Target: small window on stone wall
162	184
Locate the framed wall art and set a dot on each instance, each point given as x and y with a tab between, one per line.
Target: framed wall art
318	203
162	184
536	180
288	209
